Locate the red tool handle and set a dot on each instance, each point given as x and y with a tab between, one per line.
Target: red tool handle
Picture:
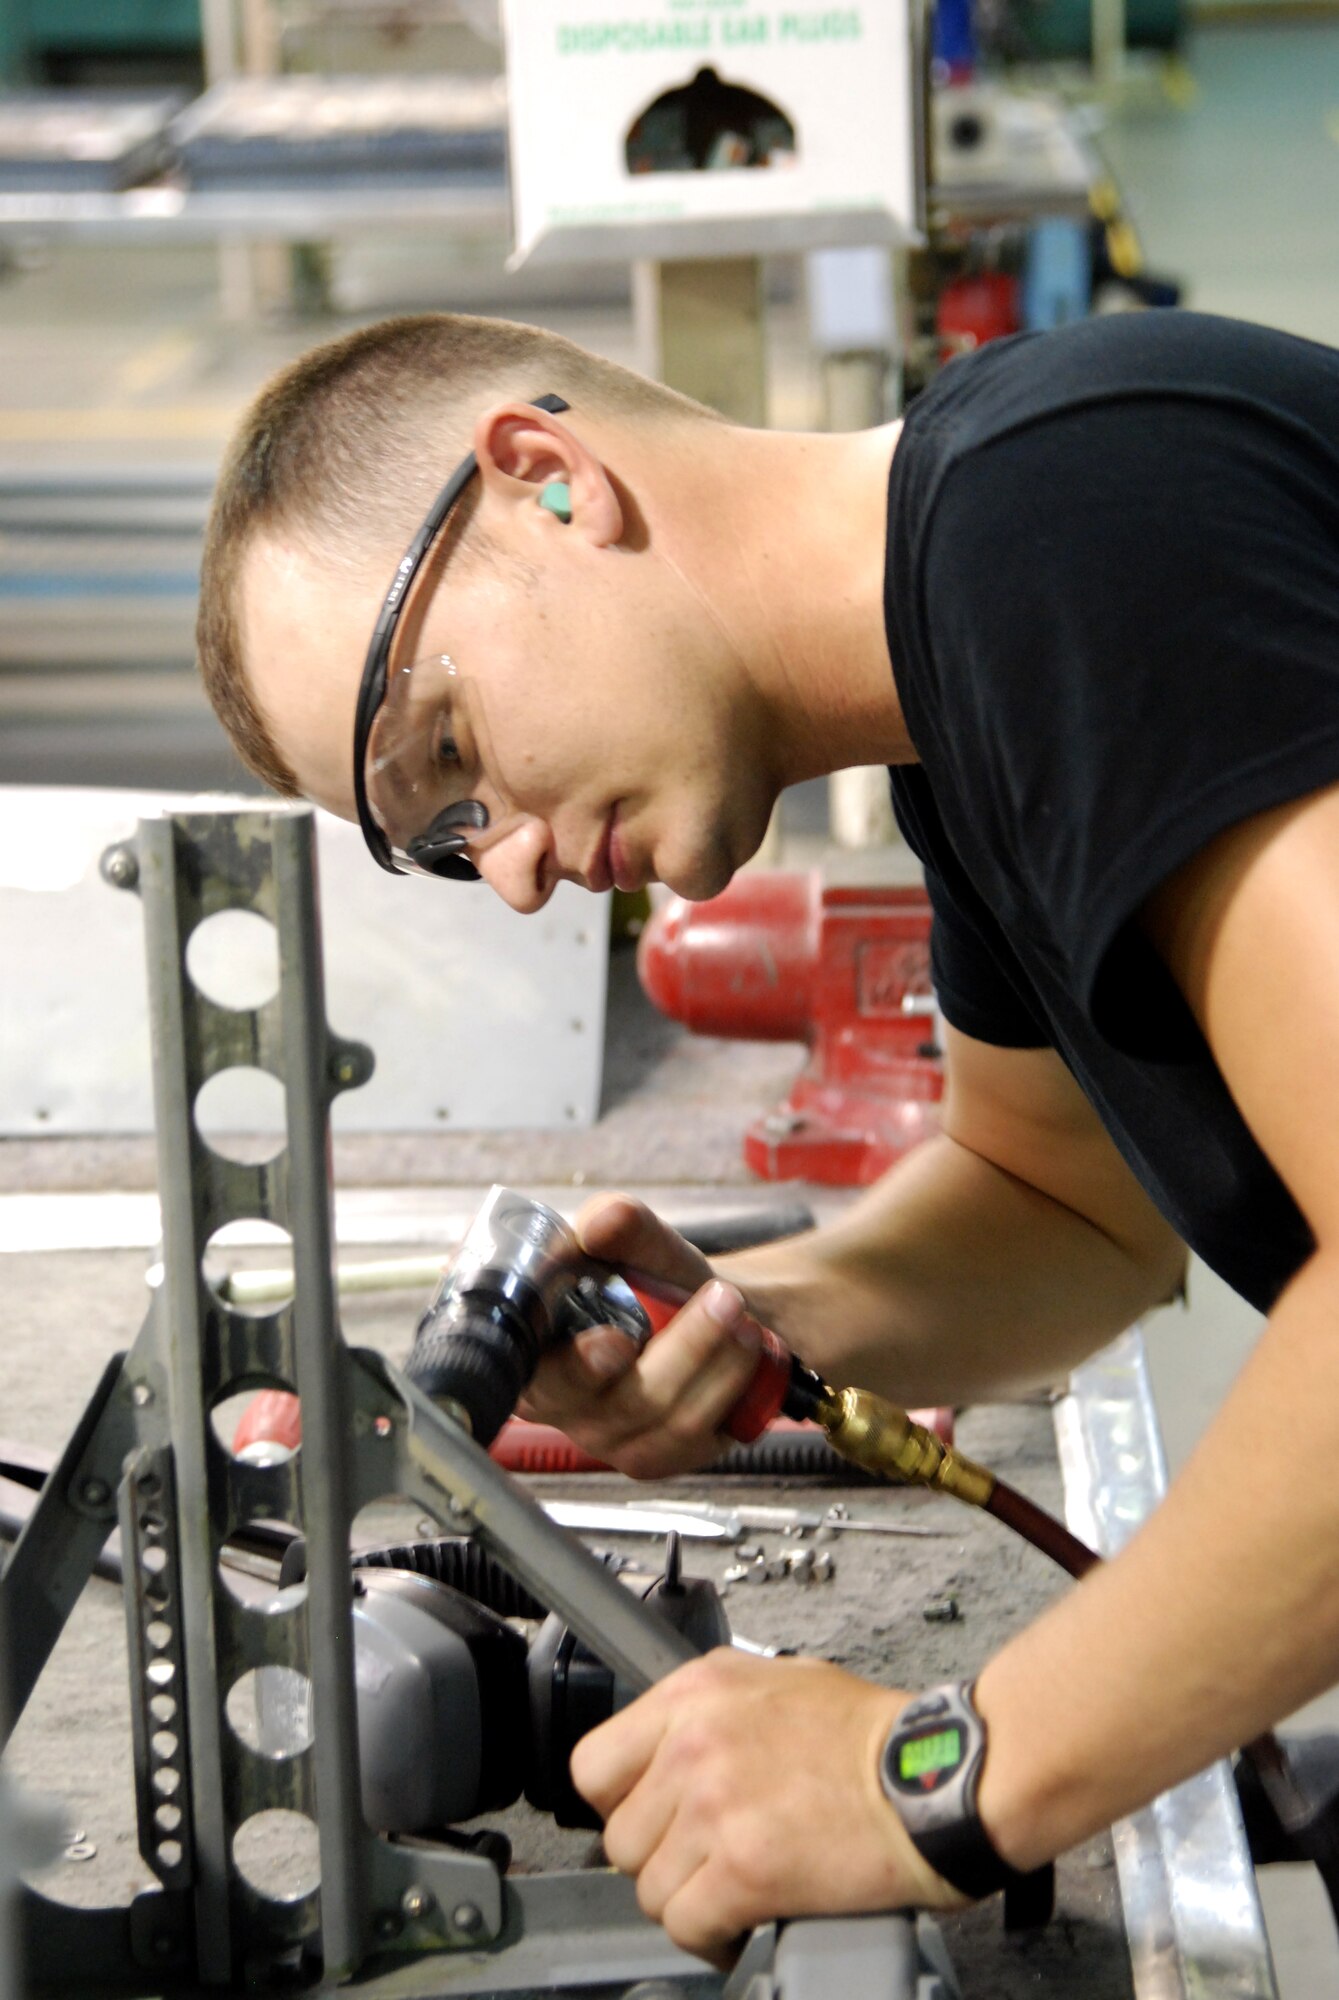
766	1393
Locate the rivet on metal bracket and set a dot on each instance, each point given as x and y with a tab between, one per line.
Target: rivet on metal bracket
350	1064
120	866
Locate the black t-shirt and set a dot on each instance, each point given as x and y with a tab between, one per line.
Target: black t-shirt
1112	598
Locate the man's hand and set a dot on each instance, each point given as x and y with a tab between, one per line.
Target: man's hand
665	1410
741	1789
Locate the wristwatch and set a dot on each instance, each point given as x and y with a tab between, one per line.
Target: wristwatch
930	1768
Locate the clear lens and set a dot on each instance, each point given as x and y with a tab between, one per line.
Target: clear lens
425	755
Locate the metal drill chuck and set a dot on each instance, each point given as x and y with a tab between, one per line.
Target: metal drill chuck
519	1284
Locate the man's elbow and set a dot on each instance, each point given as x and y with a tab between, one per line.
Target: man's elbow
1163	1263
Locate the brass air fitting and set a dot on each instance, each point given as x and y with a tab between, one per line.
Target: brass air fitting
881	1438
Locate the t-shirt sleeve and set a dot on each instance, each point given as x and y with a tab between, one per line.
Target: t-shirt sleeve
981	989
1134	627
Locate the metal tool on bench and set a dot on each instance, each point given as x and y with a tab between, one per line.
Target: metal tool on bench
147	1454
520	1284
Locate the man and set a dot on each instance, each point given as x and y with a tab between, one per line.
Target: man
1085	602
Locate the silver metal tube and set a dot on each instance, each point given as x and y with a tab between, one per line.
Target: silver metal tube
627	1636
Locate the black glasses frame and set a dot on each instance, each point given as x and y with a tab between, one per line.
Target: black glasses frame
372	688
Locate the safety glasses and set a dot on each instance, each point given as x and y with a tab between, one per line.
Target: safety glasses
406	771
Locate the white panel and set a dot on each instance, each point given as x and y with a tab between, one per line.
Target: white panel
580	72
479	1018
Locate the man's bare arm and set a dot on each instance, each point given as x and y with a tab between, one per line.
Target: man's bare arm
1222	1615
991	1259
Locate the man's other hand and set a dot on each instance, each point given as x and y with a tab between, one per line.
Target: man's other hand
665	1410
739	1790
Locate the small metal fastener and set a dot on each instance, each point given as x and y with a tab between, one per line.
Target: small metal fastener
343	1069
459	1512
415	1902
387	1926
800	1565
120	867
749	1551
825	1567
467	1918
95	1492
141	1395
737	1573
941	1611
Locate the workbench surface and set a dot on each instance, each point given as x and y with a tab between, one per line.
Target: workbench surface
66	1313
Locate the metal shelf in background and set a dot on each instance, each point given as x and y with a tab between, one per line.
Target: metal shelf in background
168	212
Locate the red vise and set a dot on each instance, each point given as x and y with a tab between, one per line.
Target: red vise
825	958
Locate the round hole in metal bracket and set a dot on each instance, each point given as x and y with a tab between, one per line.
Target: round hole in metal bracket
241	1113
158	1633
382	1425
165	1744
278	1853
169	1853
260	1593
156	1593
258	1425
269	1709
148	1485
166	1781
152	1524
248	1242
233	959
162	1707
154	1560
167	1817
160	1672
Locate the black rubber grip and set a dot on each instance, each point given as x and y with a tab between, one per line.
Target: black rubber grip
480	1359
790	1455
468	1568
459	1561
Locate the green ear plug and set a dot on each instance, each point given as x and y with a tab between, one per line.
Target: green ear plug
557	497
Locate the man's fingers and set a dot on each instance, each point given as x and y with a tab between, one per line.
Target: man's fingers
664	1412
704	1360
637	1828
624	1231
605	1353
608	1761
703	1920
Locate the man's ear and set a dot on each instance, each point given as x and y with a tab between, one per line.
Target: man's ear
522	450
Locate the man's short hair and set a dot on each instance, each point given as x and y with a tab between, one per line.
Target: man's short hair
345	450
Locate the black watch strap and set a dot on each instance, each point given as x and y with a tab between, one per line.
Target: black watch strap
930	1769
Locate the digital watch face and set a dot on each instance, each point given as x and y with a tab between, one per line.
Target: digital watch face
925	1762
